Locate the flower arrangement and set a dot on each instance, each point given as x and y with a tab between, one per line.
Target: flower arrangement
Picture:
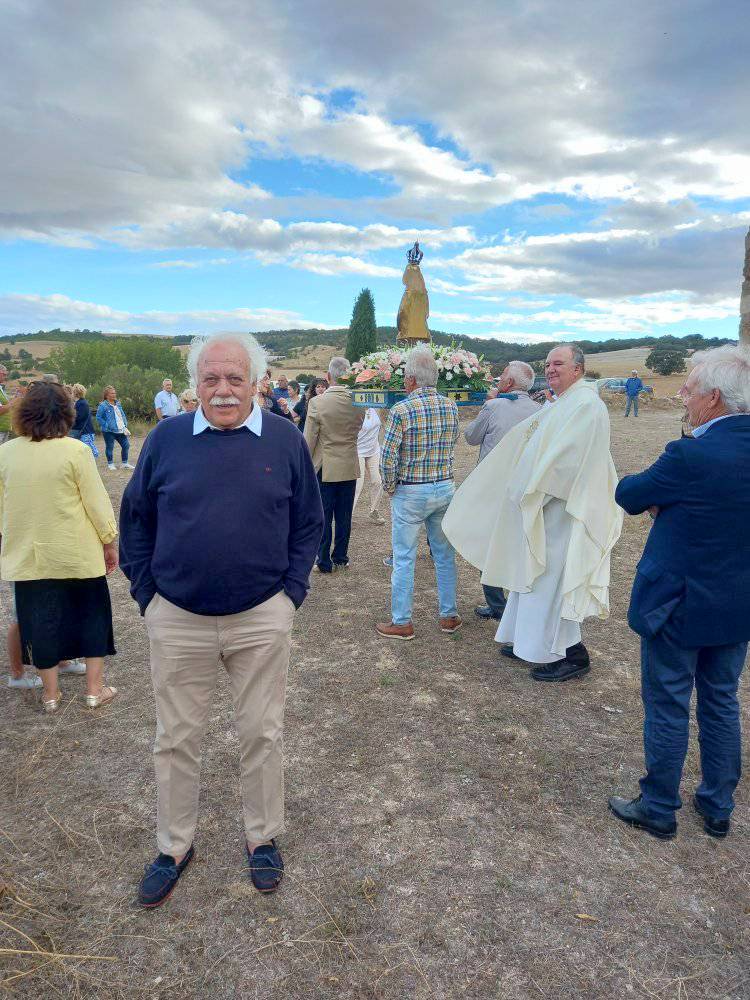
457	369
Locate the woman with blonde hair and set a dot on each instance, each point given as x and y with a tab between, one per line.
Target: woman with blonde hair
83	428
59	534
114	427
188	401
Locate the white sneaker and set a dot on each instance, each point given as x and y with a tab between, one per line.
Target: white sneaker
112	467
73	667
127	465
27	681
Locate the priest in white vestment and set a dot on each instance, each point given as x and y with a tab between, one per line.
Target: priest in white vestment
538	518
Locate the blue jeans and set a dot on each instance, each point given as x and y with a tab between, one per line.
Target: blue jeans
668	675
412	507
632	401
109	446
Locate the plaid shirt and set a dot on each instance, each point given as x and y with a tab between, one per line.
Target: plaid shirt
420	438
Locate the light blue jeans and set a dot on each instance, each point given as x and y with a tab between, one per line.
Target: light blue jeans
412	507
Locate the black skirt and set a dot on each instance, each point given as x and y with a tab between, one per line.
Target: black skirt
64	620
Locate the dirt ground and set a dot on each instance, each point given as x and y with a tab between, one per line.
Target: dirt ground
448	835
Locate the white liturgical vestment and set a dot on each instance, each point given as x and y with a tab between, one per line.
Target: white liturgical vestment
538	518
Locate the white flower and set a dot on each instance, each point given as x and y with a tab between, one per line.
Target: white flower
449	375
457	369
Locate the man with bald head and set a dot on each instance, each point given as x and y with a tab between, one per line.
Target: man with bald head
538	517
219	528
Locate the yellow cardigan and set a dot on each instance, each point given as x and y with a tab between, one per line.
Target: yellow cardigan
55	513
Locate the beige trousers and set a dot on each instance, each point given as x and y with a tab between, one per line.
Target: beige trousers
186	651
371	465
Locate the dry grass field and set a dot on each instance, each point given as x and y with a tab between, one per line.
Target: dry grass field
448	835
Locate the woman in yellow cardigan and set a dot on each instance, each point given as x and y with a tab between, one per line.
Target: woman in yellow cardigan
58	543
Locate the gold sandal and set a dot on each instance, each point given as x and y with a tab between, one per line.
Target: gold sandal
53	704
98	700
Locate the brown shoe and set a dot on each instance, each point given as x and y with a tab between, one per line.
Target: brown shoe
391	631
450	625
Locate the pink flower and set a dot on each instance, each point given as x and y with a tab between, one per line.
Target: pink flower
395	358
456	359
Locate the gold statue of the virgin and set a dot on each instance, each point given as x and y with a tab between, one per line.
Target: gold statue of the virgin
415	304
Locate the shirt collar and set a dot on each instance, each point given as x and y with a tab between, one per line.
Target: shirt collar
424	390
698	431
253	423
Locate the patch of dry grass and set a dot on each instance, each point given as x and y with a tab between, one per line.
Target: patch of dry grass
447	836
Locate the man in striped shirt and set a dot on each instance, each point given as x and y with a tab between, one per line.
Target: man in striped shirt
416	466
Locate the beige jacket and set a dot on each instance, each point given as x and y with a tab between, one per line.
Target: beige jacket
331	430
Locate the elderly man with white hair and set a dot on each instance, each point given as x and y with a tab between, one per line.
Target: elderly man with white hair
166	404
416	468
507	405
691	597
538	517
219	529
331	431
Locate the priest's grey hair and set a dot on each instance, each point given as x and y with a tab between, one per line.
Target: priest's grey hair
421	365
522	374
577	354
337	368
728	370
257	361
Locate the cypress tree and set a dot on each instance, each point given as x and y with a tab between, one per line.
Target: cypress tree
362	337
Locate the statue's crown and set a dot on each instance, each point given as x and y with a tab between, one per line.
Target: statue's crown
414	255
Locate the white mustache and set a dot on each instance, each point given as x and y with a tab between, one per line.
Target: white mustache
224	401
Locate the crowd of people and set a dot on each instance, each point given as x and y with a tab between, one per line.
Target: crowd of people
538	517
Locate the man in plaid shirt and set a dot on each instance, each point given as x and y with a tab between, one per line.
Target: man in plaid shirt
416	466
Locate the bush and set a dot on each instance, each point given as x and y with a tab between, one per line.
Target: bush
136	388
90	362
305	377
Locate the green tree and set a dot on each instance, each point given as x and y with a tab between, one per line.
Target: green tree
89	362
667	360
362	338
136	388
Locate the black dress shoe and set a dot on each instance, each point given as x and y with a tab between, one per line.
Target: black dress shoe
560	670
578	654
631	811
508	651
713	827
160	878
486	612
266	867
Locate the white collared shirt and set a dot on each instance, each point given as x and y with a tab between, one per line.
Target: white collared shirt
253	423
702	428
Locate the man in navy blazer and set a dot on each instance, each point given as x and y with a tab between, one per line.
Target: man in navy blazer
691	597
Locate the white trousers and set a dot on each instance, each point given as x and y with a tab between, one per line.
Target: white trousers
371	466
532	622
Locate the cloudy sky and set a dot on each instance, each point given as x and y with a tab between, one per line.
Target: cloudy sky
577	169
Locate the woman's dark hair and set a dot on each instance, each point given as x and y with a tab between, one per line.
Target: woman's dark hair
310	391
295	386
45	412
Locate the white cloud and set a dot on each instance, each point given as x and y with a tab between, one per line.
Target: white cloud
330	264
24	313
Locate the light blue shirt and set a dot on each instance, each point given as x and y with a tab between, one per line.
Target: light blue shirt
697	431
167	402
253	423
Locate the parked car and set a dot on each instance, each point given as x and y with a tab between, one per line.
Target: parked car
618	385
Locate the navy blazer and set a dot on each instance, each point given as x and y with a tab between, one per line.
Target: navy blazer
695	568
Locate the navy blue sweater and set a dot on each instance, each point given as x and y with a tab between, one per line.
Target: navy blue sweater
219	522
